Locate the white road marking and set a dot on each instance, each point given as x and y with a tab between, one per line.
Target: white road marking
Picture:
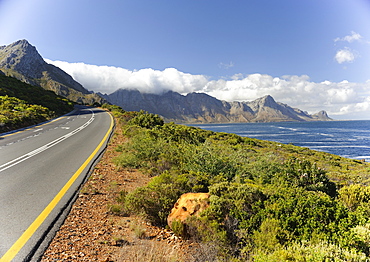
47	146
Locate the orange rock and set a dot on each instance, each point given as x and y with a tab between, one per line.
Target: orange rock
189	204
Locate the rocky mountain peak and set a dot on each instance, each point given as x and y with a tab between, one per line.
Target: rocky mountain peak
322	115
22	61
22	43
22	57
265	101
203	108
268	101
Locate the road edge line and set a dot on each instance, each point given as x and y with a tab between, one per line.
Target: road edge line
22	240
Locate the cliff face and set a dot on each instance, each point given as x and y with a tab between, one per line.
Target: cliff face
22	58
22	61
202	108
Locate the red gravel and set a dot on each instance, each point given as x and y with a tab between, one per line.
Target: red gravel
92	233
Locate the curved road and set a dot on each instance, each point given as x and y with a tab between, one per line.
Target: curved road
41	168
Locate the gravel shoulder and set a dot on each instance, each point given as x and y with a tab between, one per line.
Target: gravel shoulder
92	232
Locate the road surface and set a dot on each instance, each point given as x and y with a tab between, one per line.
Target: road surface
41	168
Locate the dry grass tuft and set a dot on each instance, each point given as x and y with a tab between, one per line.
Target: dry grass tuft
150	252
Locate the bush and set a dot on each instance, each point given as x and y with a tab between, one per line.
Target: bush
232	206
354	195
115	110
156	200
310	252
178	228
270	236
211	160
303	173
307	215
15	113
265	197
180	134
146	120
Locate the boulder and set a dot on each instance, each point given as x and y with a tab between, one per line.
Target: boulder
189	204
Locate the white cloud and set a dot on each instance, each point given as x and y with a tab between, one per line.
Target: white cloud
358	110
299	92
342	100
107	79
349	38
345	55
226	66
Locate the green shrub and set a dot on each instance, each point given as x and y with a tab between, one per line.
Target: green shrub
308	215
115	209
211	160
146	120
232	206
178	228
113	108
156	200
305	174
265	197
270	235
363	237
16	113
127	159
181	134
310	252
354	195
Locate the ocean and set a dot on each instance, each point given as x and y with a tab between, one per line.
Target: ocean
350	139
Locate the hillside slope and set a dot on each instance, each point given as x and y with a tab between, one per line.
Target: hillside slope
22	61
23	104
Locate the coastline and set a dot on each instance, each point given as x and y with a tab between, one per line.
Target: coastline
335	137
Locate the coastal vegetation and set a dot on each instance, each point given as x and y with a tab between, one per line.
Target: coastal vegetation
22	104
268	201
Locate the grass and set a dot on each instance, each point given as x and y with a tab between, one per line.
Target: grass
150	252
139	230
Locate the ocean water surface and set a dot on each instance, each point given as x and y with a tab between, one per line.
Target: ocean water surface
350	139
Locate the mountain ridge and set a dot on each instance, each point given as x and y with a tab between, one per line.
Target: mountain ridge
22	61
203	108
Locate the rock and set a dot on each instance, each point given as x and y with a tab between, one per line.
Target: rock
190	204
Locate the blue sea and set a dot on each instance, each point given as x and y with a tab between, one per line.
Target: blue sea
350	139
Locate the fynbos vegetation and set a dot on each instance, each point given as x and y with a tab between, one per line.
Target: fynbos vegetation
22	104
269	201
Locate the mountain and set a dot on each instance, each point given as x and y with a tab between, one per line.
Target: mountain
22	61
202	108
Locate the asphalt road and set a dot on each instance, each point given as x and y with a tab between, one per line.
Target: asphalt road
41	168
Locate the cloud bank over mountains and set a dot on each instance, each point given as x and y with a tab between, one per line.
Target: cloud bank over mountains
343	100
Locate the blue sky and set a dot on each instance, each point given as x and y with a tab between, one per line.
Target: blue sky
310	54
